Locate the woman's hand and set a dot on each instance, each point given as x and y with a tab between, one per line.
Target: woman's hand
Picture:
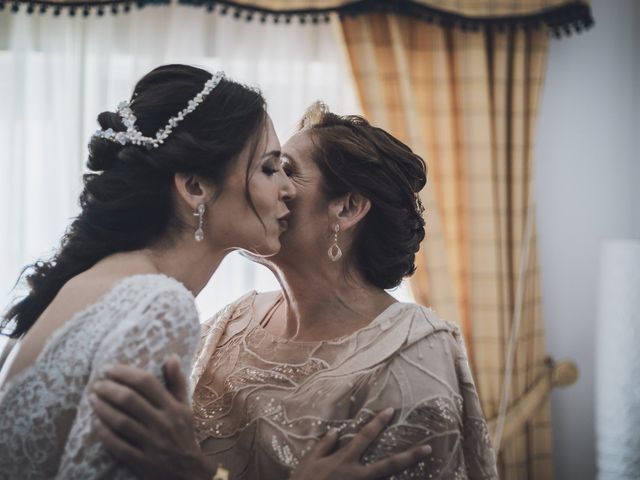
148	427
324	462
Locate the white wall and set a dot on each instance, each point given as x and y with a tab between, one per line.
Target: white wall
587	190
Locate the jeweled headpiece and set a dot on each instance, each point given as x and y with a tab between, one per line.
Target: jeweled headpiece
135	136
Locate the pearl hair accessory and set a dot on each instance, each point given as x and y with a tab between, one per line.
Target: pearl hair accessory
135	137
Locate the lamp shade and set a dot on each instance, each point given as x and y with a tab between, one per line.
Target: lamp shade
618	361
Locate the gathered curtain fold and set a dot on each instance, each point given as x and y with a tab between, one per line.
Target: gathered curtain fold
467	101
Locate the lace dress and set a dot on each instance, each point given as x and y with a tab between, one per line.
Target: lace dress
261	402
45	415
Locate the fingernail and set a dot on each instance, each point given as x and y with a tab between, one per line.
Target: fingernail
332	432
388	413
99	384
173	357
92	398
425	449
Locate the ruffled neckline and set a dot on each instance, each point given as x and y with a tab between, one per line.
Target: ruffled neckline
382	320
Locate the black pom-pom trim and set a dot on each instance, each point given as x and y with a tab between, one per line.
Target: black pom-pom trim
564	20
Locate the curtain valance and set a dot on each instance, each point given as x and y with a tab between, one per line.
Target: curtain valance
559	16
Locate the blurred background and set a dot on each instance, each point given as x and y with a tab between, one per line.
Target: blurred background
527	114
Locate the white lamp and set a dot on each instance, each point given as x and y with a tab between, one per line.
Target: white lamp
618	361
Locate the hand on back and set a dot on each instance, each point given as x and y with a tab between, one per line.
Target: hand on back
150	429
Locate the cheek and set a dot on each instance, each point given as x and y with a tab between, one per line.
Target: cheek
262	194
308	201
308	216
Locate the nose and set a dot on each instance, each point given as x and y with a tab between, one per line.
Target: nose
288	190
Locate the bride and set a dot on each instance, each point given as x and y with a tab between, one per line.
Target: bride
184	173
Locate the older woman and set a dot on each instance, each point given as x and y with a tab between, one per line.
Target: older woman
276	371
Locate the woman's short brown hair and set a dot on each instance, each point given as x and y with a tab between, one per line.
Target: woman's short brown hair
354	156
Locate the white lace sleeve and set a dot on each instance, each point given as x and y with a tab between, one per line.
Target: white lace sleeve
430	386
166	324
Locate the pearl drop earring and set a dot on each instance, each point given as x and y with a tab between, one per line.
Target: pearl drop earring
334	251
199	233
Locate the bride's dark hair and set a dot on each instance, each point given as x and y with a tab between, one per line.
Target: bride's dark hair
126	203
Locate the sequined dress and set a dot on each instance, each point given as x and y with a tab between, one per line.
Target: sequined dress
46	428
261	402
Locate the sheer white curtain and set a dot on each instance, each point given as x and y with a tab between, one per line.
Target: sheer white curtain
59	73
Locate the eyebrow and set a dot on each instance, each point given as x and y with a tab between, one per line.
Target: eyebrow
272	153
288	157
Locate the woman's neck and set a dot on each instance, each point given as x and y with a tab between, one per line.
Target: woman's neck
323	302
191	265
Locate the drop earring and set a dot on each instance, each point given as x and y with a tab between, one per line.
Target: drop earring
199	233
334	251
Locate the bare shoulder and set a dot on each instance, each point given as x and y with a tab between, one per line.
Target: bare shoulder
75	295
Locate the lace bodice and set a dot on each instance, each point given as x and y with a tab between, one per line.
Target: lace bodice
260	402
45	416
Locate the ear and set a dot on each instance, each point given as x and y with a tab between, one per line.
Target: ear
349	209
192	190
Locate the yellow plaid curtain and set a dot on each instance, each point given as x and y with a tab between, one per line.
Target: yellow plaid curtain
467	101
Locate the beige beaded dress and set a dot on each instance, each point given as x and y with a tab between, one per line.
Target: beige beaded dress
261	402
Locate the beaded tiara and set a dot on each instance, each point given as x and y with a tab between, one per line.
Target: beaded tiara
135	137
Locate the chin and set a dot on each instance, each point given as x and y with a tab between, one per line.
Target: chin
267	250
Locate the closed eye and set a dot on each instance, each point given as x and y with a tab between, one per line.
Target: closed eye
271	162
269	169
287	165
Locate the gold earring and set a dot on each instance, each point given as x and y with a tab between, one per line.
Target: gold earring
199	233
334	251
